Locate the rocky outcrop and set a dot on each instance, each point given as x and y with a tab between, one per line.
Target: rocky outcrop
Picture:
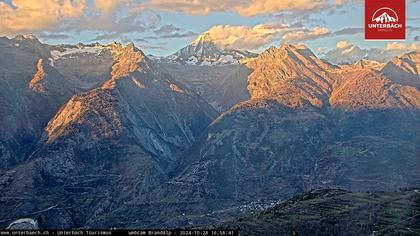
23	224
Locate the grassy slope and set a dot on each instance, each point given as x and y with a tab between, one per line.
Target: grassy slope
337	212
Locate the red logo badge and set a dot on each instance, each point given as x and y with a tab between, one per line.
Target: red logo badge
384	19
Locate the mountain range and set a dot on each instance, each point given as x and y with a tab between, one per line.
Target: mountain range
350	54
101	136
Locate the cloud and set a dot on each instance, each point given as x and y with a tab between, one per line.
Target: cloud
258	36
33	15
245	37
108	7
306	34
417	38
402	47
345	52
257	7
54	16
349	31
343	44
167	29
141	40
179	35
242	7
411	29
54	36
106	36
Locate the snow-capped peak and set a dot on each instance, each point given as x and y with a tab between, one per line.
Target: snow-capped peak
21	37
203	51
202	38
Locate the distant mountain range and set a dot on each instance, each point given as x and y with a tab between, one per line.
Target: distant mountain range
353	53
102	136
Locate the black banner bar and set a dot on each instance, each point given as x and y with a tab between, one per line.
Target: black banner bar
154	232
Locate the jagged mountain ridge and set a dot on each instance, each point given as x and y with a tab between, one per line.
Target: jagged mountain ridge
31	92
404	69
291	74
203	51
352	53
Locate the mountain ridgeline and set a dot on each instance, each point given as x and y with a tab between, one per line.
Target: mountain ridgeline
101	136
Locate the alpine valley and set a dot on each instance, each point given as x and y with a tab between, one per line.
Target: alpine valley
103	136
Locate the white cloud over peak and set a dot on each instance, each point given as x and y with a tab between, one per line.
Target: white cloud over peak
244	37
343	44
253	38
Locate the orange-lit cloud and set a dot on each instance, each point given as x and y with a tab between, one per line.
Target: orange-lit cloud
252	38
244	37
256	7
107	7
402	46
243	7
33	15
343	44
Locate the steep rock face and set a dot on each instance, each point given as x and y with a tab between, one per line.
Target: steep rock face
221	86
367	89
121	139
36	79
84	66
30	93
36	83
404	69
203	51
292	75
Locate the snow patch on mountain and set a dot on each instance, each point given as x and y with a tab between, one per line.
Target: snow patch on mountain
203	51
56	54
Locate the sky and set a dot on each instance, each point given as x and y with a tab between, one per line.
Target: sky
161	27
